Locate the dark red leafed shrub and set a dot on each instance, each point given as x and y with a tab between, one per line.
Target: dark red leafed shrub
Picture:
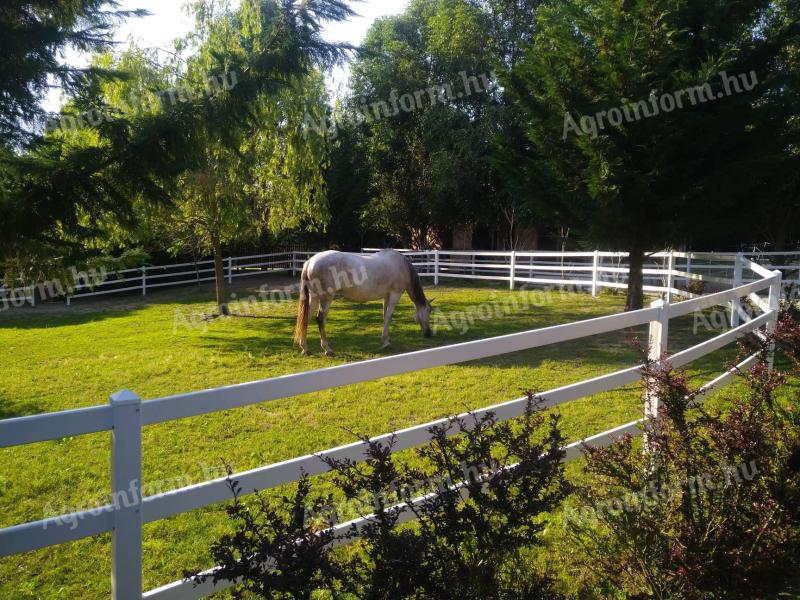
275	551
712	509
461	548
486	485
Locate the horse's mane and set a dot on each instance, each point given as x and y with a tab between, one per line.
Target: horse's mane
415	291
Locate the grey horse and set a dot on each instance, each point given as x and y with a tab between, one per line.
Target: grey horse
381	276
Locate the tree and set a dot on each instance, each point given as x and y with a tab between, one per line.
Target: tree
272	45
33	35
266	173
273	181
421	97
33	170
347	181
638	133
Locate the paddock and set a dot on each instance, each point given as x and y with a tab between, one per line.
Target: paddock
62	360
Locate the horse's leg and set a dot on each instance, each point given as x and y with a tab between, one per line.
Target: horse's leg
313	303
389	304
324	307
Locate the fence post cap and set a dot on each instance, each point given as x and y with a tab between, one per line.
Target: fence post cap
124	397
658	303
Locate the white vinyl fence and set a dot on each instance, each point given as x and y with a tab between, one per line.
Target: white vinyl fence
591	270
664	272
150	277
127	414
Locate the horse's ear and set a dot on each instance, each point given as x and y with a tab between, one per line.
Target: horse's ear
430	302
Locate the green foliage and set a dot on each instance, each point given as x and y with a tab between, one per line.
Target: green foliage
511	473
683	176
348	182
278	536
70	189
427	159
266	172
34	33
449	163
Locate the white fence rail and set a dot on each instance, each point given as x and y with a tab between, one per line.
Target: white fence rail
126	414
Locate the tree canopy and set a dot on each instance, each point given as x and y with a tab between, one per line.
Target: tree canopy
60	189
633	125
655	124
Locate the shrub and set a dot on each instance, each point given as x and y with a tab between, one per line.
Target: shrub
459	548
274	550
712	509
485	486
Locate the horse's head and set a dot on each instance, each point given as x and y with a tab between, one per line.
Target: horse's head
423	317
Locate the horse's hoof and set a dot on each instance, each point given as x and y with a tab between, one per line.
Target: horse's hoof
329	353
303	352
386	344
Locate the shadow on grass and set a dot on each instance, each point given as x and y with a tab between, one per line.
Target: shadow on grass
19	409
41	321
88	310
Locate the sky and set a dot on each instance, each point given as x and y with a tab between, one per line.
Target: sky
169	21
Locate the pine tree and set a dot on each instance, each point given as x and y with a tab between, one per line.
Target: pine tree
33	34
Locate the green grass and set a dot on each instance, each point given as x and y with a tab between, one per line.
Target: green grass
59	358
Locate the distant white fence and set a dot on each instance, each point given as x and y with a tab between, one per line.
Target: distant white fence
664	272
126	414
592	270
150	277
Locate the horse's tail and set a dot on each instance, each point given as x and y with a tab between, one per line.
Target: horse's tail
415	289
301	328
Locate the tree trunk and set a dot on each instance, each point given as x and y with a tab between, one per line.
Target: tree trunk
219	280
635	298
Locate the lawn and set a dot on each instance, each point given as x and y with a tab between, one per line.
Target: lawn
57	358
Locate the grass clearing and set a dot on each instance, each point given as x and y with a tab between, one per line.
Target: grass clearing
58	358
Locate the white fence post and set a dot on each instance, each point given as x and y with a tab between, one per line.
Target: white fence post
512	270
736	305
230	270
775	290
126	486
595	272
658	340
670	275
436	267
144	281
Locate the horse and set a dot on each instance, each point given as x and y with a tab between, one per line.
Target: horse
381	276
